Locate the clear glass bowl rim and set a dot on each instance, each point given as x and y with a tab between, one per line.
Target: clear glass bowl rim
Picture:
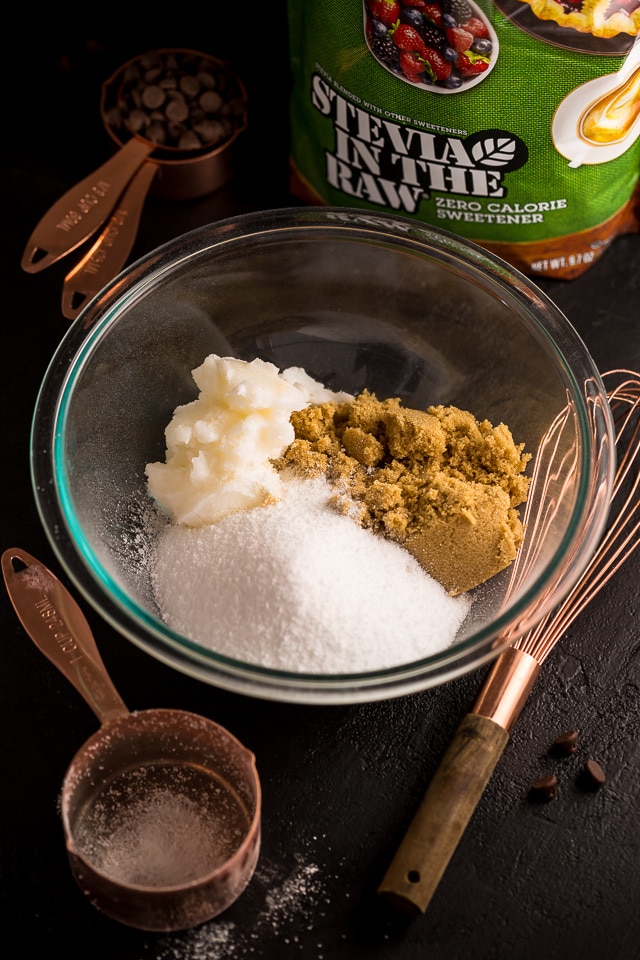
155	637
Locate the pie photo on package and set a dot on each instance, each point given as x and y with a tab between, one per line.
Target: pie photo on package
600	18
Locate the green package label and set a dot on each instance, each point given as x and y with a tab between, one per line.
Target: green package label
516	132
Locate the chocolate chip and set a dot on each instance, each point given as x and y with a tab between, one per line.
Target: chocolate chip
206	80
593	776
189	85
565	744
177	110
156	131
153	74
209	131
153	96
210	101
189	141
544	789
138	120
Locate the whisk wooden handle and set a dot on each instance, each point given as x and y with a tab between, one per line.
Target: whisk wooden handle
444	813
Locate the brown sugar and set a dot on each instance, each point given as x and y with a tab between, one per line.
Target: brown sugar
443	484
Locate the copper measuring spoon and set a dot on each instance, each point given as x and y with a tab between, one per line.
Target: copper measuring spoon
83	208
113	196
108	255
161	809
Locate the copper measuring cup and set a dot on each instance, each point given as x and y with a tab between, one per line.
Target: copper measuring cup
113	196
161	809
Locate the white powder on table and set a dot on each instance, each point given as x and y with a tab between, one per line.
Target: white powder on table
290	902
297	586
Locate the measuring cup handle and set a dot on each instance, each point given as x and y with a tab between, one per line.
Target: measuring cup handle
59	629
109	253
83	208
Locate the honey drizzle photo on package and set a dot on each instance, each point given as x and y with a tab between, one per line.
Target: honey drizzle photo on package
513	124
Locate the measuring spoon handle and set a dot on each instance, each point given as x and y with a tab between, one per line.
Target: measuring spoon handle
83	208
59	629
107	256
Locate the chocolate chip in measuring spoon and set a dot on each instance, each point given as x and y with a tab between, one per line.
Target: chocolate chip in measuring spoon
138	121
153	97
189	141
189	85
210	101
156	131
209	130
178	100
177	110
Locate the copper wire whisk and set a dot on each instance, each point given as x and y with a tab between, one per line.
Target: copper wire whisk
621	536
460	780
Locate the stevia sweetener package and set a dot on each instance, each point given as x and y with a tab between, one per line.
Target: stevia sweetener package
514	123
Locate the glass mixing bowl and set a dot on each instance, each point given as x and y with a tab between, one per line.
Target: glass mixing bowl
359	301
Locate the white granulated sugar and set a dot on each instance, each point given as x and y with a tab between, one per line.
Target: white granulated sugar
297	586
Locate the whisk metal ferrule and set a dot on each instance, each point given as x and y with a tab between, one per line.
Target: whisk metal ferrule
507	687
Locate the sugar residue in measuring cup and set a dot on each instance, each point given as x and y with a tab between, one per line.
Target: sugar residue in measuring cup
161	824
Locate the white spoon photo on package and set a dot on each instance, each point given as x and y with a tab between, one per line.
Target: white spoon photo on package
161	809
600	120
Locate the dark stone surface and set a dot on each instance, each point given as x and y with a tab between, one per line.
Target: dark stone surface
560	879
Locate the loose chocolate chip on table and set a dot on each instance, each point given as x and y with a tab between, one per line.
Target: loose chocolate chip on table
545	788
565	744
593	776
